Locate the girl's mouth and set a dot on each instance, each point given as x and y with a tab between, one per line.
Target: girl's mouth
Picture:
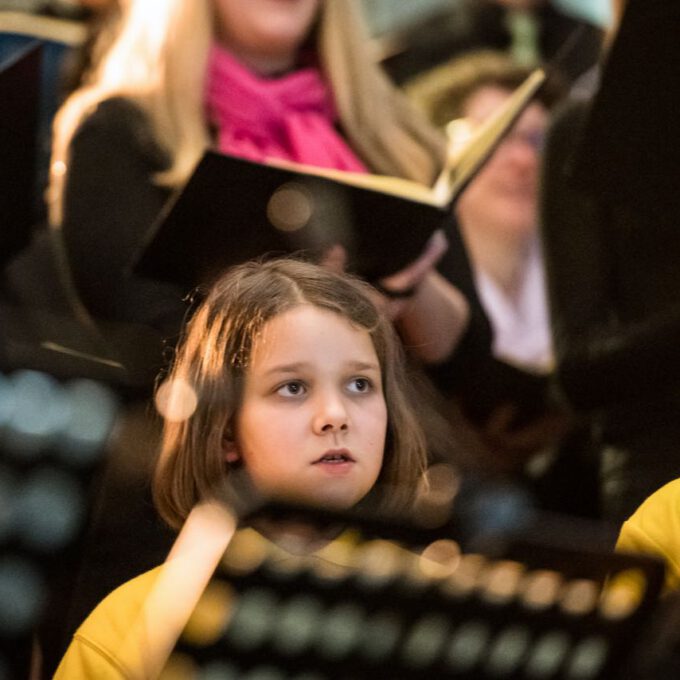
335	457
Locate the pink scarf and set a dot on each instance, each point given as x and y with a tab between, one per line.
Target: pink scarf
291	117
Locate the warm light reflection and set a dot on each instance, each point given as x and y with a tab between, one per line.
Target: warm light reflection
58	168
580	597
465	578
500	582
290	207
437	492
540	589
622	594
210	617
246	553
379	561
440	559
176	400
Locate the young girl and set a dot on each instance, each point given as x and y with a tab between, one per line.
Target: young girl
288	377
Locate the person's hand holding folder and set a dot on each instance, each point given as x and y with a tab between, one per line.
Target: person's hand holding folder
430	313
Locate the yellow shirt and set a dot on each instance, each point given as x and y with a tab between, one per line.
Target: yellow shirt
131	633
654	529
99	648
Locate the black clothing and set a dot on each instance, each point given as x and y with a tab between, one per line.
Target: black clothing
110	204
610	216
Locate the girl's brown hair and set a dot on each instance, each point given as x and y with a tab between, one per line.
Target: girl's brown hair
213	359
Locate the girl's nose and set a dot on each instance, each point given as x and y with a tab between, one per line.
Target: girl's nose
331	414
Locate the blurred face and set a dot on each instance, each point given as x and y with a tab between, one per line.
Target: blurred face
265	34
502	199
313	421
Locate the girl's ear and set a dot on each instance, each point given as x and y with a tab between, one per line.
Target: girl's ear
229	446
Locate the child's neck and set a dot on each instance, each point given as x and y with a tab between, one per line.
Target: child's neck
296	537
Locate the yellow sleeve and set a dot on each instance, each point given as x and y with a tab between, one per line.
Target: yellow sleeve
654	529
110	644
84	660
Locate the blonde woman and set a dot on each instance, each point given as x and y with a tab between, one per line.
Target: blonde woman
257	79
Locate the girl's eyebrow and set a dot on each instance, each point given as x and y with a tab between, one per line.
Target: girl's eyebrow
301	365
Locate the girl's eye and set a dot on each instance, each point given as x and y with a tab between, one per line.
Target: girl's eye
360	385
291	389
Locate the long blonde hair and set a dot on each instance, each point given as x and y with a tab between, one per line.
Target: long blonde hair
158	58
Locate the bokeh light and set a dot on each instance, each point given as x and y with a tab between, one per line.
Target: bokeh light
176	400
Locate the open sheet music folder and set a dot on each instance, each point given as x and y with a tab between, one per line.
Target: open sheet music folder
232	210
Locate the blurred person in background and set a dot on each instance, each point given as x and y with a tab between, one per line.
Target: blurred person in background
497	213
609	214
498	218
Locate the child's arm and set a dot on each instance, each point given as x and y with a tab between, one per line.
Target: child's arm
133	631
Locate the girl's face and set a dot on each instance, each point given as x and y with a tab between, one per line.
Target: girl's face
313	421
265	34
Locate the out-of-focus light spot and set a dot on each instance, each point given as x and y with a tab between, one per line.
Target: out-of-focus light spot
8	492
290	207
500	582
507	651
335	561
264	673
7	399
38	415
49	510
288	568
210	616
342	629
59	168
440	559
219	670
622	594
378	562
246	552
579	597
93	412
436	495
425	640
465	578
588	658
443	482
251	623
468	645
380	635
296	624
547	655
176	400
540	589
22	593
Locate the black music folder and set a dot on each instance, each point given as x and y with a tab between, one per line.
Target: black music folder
232	210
